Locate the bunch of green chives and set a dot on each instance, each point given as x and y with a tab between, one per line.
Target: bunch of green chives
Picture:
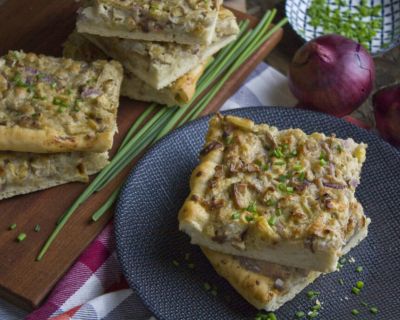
146	130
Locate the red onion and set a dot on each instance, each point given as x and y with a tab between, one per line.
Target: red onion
386	104
332	74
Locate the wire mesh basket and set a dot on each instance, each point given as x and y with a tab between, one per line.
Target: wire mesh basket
387	37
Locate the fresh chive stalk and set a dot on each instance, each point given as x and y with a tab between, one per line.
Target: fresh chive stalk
142	133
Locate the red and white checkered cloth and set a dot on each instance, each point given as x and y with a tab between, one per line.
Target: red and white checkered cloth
94	288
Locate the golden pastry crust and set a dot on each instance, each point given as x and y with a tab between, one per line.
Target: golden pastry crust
182	21
281	196
178	93
264	285
52	105
160	63
23	172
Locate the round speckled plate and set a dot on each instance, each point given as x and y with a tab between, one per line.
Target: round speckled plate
148	240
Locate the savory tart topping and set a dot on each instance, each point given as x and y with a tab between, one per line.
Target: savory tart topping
71	105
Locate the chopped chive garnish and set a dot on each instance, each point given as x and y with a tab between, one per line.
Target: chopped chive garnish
302	176
265	167
277	153
341	282
312	294
175	263
206	286
313	314
37	228
293	154
359	269
21	237
270	202
322	162
278	212
282	187
355	312
279	163
282	178
360	284
343	260
364	304
252	207
355	290
12	226
316	307
300	314
249	218
289	189
272	221
156	122
235	216
374	310
297	167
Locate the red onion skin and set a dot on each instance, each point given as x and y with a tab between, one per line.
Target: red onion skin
386	104
332	74
357	122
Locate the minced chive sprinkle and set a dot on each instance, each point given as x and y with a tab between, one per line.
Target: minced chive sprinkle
316	307
312	294
252	207
278	212
277	153
175	263
374	310
37	228
302	176
355	312
298	167
282	187
12	226
282	178
360	284
364	304
343	260
313	314
279	163
300	314
293	153
270	202
359	269
355	290
249	218
289	189
265	167
341	282
235	216
272	220
21	237
322	162
206	286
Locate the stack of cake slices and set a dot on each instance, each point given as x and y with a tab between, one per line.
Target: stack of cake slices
163	46
271	209
57	120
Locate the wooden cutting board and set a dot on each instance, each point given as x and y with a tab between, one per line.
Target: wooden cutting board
41	26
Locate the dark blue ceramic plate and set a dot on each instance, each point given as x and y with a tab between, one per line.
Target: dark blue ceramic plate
148	240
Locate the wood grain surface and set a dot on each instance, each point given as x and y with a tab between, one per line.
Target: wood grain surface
41	26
